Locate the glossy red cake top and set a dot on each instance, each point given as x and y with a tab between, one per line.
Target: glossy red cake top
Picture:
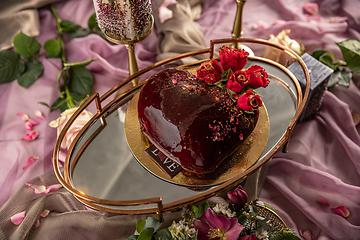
196	121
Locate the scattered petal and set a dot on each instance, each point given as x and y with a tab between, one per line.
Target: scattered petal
167	3
165	14
278	22
322	200
18	218
259	25
311	8
33	122
31	136
307	235
30	161
38	189
28	126
342	210
37	223
313	18
39	115
338	19
23	116
45	213
52	188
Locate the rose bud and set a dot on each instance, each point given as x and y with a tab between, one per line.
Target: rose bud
249	101
232	58
237	81
258	77
238	196
210	71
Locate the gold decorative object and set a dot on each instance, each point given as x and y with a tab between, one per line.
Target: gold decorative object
283	80
237	28
125	22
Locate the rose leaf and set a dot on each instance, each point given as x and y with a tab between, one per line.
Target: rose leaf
52	47
27	47
33	70
11	66
81	80
351	52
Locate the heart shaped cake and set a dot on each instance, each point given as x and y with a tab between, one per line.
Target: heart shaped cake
198	121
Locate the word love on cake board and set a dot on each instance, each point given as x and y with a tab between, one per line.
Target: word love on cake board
170	167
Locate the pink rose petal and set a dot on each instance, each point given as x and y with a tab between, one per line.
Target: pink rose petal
38	189
52	188
30	161
45	213
37	223
28	126
322	200
33	122
31	136
338	19
165	14
39	115
23	116
311	8
18	218
307	235
342	210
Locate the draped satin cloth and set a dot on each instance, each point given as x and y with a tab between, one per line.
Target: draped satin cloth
323	154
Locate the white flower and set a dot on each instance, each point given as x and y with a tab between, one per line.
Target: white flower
283	39
74	129
263	235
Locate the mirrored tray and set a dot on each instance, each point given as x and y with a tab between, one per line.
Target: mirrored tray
101	171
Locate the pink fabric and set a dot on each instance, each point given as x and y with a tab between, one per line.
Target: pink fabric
324	153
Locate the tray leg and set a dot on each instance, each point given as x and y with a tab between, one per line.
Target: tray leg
254	183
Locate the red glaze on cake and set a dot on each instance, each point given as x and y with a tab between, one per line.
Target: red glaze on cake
193	123
198	121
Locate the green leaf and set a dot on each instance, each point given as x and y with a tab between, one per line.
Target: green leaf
201	209
342	78
84	63
152	223
163	234
133	237
328	61
146	234
32	72
11	66
351	52
140	225
92	24
27	47
44	103
318	53
68	26
59	103
81	80
77	97
52	47
80	33
270	207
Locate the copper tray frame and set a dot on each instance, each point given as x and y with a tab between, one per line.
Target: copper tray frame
104	111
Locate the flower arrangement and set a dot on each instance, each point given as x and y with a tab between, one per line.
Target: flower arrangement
230	74
238	220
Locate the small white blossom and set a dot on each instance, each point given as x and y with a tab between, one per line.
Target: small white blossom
191	233
263	235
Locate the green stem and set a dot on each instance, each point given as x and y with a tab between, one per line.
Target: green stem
68	97
58	26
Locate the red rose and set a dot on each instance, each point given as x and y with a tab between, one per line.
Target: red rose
209	71
249	101
237	81
232	58
258	77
